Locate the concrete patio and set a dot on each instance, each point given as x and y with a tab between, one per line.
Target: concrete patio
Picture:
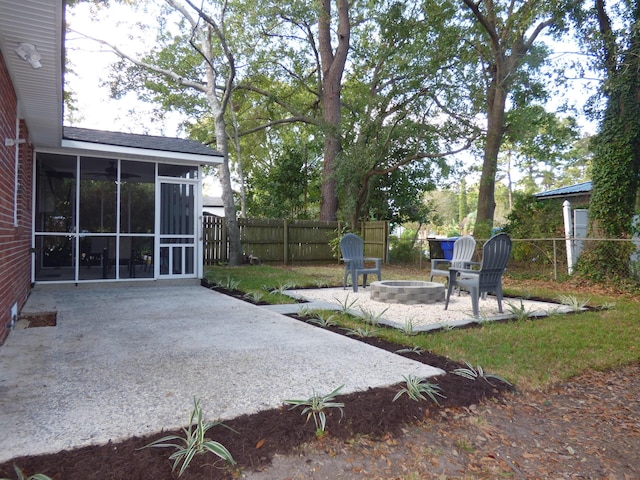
128	359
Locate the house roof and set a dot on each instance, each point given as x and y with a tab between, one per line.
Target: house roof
569	191
40	23
133	140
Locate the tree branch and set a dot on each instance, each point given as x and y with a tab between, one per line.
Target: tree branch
484	21
609	42
422	156
154	68
279	101
220	34
273	123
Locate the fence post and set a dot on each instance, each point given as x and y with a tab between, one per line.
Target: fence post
285	239
555	261
339	232
224	242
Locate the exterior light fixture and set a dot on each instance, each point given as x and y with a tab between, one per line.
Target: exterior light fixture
12	142
29	53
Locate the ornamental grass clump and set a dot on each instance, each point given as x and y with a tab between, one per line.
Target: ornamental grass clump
255	296
323	319
228	283
361	332
415	388
477	373
371	317
521	313
21	476
576	304
194	442
346	304
315	407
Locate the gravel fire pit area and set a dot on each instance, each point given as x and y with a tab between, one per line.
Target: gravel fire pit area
423	316
407	292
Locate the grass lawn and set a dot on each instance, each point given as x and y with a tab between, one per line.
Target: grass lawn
532	354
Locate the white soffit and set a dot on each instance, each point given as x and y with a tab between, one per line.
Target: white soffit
39	91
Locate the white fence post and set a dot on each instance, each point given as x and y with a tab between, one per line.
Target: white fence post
568	234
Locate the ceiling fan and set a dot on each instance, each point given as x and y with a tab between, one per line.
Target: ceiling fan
111	172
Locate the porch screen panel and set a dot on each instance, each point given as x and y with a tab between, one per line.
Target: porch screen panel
55	257
137	197
98	195
56	193
177	209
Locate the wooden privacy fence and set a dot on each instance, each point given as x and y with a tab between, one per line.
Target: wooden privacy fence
287	241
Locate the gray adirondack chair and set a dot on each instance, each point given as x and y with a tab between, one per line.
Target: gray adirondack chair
463	250
352	248
488	279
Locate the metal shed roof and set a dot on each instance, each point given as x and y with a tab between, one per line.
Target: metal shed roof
569	191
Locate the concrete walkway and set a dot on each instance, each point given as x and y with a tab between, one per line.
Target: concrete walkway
128	359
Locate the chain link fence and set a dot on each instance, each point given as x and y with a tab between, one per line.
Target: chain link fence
534	258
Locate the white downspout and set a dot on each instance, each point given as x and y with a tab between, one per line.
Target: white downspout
568	234
15	170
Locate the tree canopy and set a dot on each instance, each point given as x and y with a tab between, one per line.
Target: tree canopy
347	108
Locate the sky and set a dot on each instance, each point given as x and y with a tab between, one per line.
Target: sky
90	64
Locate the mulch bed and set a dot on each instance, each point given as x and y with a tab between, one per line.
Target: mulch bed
255	439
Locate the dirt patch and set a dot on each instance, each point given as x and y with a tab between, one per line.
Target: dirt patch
39	319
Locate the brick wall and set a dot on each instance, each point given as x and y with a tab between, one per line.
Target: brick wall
15	241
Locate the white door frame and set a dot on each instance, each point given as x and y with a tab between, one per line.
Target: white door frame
191	240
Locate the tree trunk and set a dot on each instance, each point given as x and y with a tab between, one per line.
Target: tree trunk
329	205
332	70
222	144
238	148
233	231
496	103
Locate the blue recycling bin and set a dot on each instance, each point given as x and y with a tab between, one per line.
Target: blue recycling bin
447	247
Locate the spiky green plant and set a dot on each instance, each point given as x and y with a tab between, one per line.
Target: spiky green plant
21	476
346	304
576	304
371	317
304	311
323	319
361	332
477	373
416	349
552	311
409	327
415	388
315	407
255	295
521	313
194	441
229	283
283	287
